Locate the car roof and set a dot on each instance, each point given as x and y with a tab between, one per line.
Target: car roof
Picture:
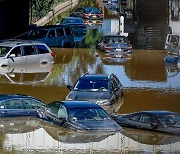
72	104
158	112
50	27
95	77
114	35
16	42
11	96
72	18
89	7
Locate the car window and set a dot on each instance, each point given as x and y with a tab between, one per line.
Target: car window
13	104
54	107
16	51
87	114
4	51
2	106
62	112
60	32
135	117
92	85
148	119
68	31
37	34
42	49
51	34
170	119
30	50
31	104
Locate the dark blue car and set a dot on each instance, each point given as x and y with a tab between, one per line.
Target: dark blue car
155	120
79	115
13	105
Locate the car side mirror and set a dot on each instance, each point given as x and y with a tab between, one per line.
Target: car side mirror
154	125
69	87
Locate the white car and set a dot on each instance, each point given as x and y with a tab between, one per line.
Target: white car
24	52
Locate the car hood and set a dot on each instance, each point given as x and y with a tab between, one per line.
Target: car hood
101	125
91	95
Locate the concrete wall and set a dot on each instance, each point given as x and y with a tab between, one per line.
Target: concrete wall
62	7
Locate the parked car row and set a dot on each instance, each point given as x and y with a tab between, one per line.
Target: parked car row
87	116
75	115
83	108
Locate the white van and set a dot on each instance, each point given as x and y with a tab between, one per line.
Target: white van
24	52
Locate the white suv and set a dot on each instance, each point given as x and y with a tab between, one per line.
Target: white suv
24	52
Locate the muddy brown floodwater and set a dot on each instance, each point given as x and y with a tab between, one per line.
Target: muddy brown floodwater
149	84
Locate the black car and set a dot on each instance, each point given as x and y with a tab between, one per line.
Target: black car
162	121
102	89
13	105
78	115
88	13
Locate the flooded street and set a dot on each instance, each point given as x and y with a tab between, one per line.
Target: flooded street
149	84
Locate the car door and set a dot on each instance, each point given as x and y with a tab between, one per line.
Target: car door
31	106
52	113
146	121
51	38
13	108
61	37
116	89
15	58
31	54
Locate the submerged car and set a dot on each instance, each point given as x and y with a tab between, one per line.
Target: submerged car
162	121
14	105
78	27
20	52
88	13
52	35
102	89
114	43
78	115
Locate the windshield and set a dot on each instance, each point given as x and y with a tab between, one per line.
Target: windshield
114	39
4	51
90	85
86	114
92	10
170	120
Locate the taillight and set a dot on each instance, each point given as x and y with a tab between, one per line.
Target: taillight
101	15
87	15
128	48
108	48
52	54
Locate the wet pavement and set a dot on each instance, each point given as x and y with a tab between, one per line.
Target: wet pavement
149	84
